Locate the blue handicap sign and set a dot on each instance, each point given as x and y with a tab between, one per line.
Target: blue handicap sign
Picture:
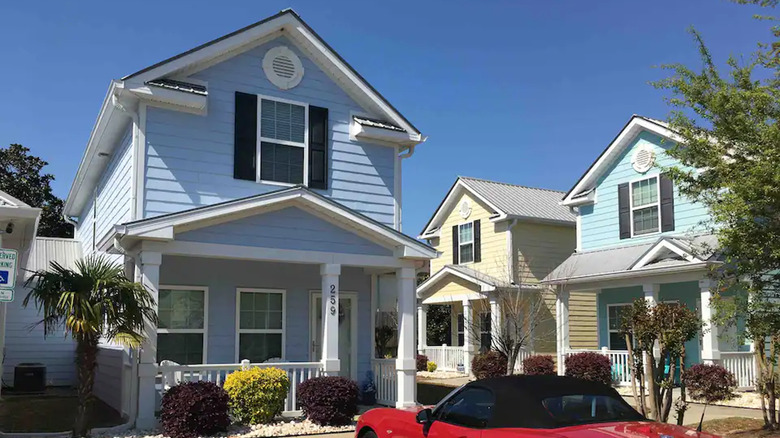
4	277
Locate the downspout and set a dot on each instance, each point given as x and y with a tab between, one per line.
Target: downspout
409	152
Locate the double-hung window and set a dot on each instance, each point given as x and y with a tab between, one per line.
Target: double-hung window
615	315
466	242
282	138
260	323
645	206
461	330
485	336
182	322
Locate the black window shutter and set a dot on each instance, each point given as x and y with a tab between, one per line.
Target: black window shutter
455	246
624	211
667	203
245	137
477	242
318	147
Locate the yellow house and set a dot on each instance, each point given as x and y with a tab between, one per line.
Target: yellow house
497	242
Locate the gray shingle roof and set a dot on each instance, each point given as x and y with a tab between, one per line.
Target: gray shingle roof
521	201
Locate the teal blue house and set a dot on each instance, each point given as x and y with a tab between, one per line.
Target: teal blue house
639	238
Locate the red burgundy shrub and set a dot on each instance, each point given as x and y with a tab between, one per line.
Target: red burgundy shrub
329	400
539	365
194	409
709	383
422	362
590	366
489	364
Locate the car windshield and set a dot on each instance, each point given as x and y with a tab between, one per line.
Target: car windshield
571	410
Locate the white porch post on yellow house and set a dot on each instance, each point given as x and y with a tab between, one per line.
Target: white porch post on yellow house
562	326
148	273
330	318
422	328
468	340
405	364
710	348
496	321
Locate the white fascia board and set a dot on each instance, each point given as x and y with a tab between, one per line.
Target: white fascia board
590	198
179	100
459	298
446	206
372	133
10	213
656	250
447	270
632	129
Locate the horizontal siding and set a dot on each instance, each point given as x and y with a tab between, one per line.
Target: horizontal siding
600	220
494	253
190	158
108	376
583	321
451	285
297	280
540	248
289	228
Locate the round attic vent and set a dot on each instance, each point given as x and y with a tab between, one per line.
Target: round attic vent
643	159
465	209
283	67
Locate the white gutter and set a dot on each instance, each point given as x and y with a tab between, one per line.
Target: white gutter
631	274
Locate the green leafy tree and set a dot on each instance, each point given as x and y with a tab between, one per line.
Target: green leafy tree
438	328
729	150
21	176
95	299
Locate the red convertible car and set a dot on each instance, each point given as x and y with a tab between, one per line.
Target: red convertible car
521	406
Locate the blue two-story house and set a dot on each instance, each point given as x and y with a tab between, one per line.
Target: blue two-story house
639	238
253	184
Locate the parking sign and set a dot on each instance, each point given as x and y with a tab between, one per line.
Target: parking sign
8	259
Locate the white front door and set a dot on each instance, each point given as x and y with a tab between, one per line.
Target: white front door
347	332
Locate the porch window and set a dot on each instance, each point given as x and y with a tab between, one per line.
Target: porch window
645	206
485	338
615	314
181	327
282	140
261	315
461	326
466	242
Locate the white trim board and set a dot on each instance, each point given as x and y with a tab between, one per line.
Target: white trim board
446	206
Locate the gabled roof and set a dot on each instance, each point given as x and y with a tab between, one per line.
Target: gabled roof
165	227
7	200
508	201
668	252
167	83
485	282
577	195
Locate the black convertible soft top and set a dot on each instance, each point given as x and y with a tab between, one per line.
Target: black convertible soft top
518	399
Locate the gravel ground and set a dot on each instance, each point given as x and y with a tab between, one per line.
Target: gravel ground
439	375
282	428
743	399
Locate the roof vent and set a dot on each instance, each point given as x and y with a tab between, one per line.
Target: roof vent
465	209
283	67
643	158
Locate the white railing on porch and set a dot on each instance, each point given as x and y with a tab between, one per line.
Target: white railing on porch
621	365
297	372
385	379
743	365
523	355
446	358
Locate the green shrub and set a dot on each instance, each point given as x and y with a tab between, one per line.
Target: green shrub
431	366
257	394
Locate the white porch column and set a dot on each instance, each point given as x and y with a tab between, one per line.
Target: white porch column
330	318
468	340
495	321
422	327
562	332
650	292
148	273
710	348
405	364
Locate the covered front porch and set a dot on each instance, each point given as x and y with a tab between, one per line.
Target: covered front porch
294	283
669	271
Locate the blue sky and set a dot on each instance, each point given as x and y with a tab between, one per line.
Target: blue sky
527	92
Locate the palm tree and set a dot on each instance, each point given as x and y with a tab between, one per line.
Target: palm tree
93	300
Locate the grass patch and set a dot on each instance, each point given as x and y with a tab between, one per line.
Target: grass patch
20	414
737	427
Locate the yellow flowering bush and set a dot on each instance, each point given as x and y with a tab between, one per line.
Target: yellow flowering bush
257	394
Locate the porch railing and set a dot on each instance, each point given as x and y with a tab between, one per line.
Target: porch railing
385	379
298	372
524	354
621	365
447	358
743	365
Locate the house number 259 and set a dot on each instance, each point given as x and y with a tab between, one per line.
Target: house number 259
333	299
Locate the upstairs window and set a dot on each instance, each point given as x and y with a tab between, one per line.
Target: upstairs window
645	206
466	242
282	142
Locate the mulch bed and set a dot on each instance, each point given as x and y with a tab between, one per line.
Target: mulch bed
737	427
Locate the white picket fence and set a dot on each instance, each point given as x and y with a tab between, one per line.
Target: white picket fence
621	365
446	358
523	355
743	365
385	379
297	372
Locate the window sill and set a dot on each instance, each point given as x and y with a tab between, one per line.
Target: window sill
279	183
